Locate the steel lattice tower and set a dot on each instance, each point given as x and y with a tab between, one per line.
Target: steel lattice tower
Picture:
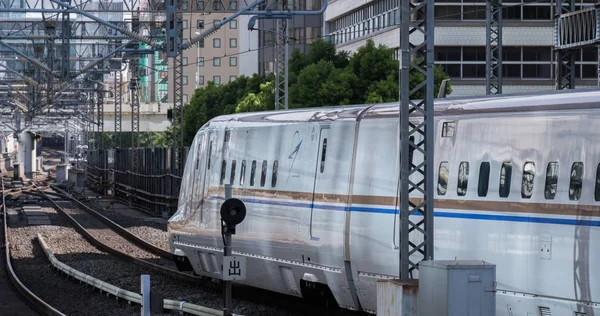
416	20
281	59
493	47
564	58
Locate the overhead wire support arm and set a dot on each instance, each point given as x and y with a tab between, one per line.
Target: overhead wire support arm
31	59
248	11
123	30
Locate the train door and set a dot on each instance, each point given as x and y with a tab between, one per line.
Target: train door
316	214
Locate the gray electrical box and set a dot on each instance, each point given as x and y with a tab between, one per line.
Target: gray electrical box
457	288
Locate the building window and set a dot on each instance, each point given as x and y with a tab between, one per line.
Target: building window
505	177
528	176
233	24
185	98
185	24
484	179
216	5
233	61
216	42
232	78
201	80
233	42
576	181
201	61
184	80
217	80
463	178
200	5
185	61
217	61
233	5
200	24
443	178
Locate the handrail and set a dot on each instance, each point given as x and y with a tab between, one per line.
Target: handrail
121	293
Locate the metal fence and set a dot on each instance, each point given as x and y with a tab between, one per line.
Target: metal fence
150	186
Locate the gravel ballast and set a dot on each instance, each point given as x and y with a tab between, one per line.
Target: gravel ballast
71	248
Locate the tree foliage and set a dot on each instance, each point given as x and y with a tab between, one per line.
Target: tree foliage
321	77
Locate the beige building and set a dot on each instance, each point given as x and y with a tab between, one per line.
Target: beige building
223	56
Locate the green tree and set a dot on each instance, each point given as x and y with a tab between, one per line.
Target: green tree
307	90
254	102
322	77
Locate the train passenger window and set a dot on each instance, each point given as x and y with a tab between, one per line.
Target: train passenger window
597	189
223	169
243	172
209	154
484	179
576	181
252	173
232	177
527	183
443	178
463	178
323	154
505	177
263	175
274	178
551	181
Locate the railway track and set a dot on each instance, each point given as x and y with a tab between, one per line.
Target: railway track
148	255
86	240
29	297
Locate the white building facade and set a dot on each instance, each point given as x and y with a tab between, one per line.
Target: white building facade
528	57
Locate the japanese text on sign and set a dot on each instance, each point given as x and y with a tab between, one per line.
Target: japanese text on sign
234	268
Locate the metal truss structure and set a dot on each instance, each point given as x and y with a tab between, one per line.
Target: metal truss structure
572	31
281	59
416	214
56	56
493	48
565	56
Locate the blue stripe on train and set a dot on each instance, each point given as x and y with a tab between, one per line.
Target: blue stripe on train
379	210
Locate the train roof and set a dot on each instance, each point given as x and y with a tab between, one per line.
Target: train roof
498	104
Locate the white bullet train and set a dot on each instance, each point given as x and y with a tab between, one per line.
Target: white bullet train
517	185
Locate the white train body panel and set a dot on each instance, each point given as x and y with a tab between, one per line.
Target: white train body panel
337	219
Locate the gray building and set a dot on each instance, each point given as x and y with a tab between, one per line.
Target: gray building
303	30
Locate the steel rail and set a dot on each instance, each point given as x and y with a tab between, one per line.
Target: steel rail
118	228
119	254
30	298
